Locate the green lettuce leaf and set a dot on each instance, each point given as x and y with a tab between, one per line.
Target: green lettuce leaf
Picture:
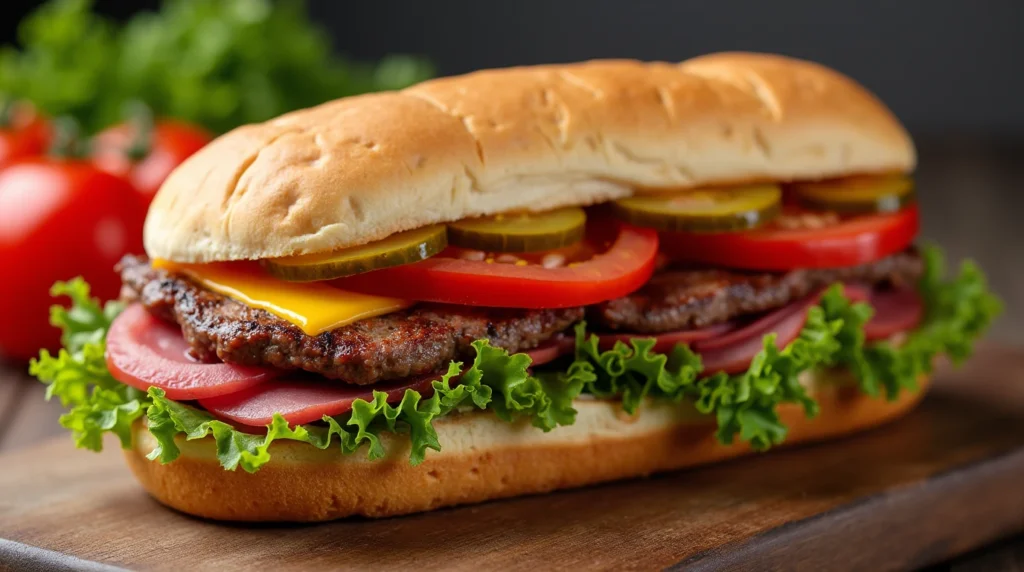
744	405
958	313
495	379
78	374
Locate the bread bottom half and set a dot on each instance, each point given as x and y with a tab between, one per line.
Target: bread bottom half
482	458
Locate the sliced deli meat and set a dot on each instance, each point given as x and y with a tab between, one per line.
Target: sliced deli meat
551	350
895	311
144	351
664	343
733	352
302	401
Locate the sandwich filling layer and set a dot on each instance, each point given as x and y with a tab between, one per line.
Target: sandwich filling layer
426	338
737	371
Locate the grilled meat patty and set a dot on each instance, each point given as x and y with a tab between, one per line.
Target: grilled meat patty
677	299
411	342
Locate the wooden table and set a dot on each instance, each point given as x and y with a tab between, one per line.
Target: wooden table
26	418
972	194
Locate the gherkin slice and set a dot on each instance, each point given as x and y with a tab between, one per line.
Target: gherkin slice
402	248
857	195
703	210
520	232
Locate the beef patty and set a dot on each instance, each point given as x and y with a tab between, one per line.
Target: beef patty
676	299
411	342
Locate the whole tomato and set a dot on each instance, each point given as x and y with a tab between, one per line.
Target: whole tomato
23	132
59	218
146	153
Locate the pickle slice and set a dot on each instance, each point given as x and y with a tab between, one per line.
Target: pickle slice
857	195
402	248
520	232
704	210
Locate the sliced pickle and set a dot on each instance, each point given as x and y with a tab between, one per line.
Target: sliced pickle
857	195
520	232
402	248
704	210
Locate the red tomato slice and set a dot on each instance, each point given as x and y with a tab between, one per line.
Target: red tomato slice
624	267
144	352
853	241
665	342
305	401
895	311
735	355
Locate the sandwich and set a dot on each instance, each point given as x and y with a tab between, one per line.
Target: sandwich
516	281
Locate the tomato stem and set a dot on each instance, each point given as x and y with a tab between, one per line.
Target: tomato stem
7	107
140	118
67	139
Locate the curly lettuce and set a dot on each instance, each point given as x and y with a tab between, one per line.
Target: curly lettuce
745	406
958	312
495	380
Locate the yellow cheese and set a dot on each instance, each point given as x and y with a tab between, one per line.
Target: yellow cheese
314	307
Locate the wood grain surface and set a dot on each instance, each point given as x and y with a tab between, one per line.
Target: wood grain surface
938	483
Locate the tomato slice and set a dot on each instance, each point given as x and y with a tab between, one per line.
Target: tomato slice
144	352
895	311
664	343
852	241
305	400
733	352
622	268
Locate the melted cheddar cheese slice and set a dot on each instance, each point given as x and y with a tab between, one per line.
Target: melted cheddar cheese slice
314	307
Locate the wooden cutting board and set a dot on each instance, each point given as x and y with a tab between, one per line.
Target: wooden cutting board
946	479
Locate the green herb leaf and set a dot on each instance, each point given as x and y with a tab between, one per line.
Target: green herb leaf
219	64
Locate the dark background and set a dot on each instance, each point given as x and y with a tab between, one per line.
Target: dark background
942	65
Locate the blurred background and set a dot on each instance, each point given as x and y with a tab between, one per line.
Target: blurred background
166	76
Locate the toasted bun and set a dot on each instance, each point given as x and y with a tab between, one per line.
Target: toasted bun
481	458
534	138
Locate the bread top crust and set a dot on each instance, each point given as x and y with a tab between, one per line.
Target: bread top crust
359	169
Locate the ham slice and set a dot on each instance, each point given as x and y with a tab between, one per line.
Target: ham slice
144	352
733	352
552	349
665	342
305	400
895	311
